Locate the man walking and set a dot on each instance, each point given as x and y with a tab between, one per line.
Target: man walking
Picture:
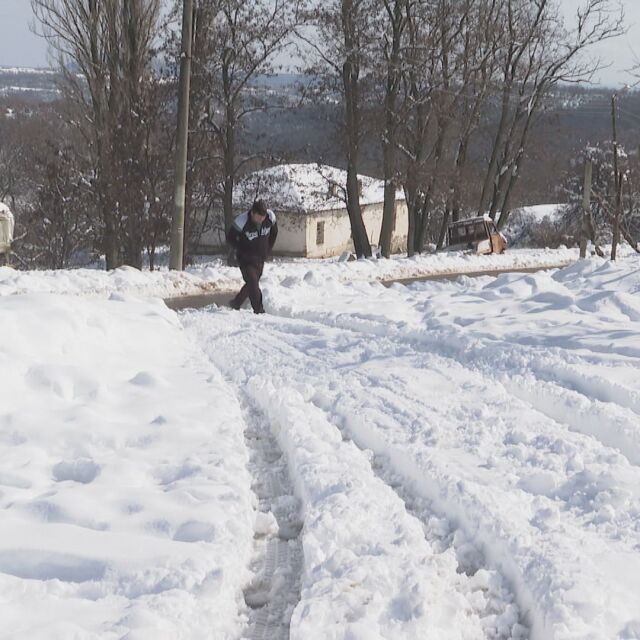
252	235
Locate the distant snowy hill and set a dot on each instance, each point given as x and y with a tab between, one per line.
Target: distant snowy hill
37	84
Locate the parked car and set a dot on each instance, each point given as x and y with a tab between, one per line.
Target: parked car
477	234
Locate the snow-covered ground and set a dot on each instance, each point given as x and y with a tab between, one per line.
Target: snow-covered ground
214	275
125	498
445	460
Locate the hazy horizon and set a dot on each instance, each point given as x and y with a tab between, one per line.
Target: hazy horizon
20	47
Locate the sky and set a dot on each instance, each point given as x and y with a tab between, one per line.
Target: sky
20	47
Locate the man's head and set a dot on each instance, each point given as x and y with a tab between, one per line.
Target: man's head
258	211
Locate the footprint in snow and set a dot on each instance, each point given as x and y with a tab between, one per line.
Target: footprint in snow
195	532
145	379
83	470
40	565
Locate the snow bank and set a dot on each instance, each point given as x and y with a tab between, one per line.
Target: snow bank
93	282
216	276
126	502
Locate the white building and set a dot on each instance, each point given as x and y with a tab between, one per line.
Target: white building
309	202
6	229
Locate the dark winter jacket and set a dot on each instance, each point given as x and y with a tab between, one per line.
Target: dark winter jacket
253	243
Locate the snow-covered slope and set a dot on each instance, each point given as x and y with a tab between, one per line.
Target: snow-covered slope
445	460
125	498
508	404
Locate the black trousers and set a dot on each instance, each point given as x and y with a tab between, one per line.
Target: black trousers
251	274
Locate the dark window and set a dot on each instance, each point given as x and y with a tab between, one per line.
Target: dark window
320	234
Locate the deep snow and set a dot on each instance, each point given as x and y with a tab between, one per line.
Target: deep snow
214	275
464	455
126	502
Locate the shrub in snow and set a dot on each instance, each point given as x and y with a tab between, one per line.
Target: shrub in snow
538	227
603	192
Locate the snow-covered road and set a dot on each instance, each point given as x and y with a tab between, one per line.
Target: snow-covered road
508	406
445	460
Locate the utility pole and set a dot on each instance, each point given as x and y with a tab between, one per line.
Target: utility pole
617	180
176	258
585	231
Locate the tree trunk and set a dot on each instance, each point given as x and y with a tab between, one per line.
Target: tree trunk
391	129
411	221
492	169
389	207
361	242
350	80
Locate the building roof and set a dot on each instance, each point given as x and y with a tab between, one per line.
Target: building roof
305	188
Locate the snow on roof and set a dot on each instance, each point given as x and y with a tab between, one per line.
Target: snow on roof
305	188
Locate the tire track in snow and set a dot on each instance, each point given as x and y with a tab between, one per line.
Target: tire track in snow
562	370
277	563
329	353
493	607
609	424
547	600
501	615
613	423
273	593
613	429
444	525
500	598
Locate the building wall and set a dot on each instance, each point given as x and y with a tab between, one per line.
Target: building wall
337	234
297	233
337	230
292	237
372	216
213	241
401	231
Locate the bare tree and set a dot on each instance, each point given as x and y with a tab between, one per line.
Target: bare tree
540	53
15	145
394	44
465	60
57	230
105	51
446	75
341	46
235	43
10	151
476	64
604	195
